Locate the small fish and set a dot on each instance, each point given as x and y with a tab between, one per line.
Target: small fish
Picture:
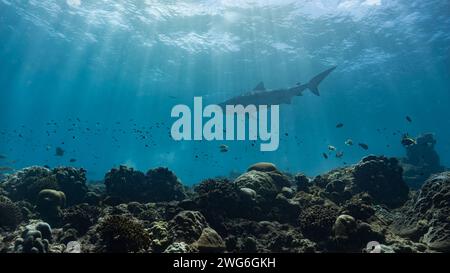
339	125
408	118
339	154
223	148
325	155
408	141
3	157
364	146
72	160
6	169
331	148
349	142
59	151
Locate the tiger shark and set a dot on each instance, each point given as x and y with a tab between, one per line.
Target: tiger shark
261	96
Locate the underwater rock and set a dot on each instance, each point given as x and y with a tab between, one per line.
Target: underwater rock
73	247
344	227
10	213
209	241
317	221
165	185
28	182
72	182
302	182
263	167
157	185
35	239
421	161
426	217
159	234
339	211
381	177
279	179
217	198
285	209
261	182
378	176
187	226
359	206
50	203
245	236
123	234
126	183
179	247
150	213
81	217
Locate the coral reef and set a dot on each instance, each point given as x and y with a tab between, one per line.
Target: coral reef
29	182
317	221
421	161
81	217
122	234
366	207
157	185
381	177
34	239
426	217
10	213
50	204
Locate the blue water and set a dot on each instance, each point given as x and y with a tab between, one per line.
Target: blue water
99	79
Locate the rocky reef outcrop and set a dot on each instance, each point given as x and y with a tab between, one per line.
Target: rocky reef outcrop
421	161
365	207
426	218
26	184
377	176
157	185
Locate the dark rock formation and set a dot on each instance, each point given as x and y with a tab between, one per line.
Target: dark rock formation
426	217
157	185
123	234
27	183
10	213
187	226
421	161
262	210
317	221
381	177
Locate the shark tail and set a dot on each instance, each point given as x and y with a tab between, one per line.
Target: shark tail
313	84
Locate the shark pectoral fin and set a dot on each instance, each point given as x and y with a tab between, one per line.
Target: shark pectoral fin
259	87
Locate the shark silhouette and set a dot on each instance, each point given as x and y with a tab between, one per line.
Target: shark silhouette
260	96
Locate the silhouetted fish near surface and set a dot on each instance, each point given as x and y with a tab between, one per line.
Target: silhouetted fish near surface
2	157
408	118
59	151
72	160
364	146
339	125
325	155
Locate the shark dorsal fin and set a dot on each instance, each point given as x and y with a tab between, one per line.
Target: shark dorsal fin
259	87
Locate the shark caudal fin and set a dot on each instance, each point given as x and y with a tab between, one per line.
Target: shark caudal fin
313	84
